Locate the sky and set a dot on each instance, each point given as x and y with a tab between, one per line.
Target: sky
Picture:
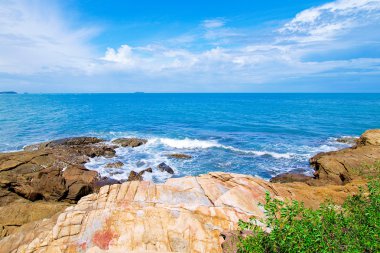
74	46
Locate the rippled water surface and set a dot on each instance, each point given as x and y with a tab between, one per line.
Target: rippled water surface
258	134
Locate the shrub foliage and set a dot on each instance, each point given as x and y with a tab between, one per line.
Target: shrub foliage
353	227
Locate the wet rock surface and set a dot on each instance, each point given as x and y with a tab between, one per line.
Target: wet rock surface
180	156
116	165
130	142
290	177
138	176
347	140
164	167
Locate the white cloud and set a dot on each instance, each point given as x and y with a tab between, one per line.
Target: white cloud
33	42
213	23
123	55
34	38
329	20
312	31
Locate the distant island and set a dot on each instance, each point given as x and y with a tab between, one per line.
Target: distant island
8	92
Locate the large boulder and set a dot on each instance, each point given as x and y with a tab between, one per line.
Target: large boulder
130	142
342	166
370	138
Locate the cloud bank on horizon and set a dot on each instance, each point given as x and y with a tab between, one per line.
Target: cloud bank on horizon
334	46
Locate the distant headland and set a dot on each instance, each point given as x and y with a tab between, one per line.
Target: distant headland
8	92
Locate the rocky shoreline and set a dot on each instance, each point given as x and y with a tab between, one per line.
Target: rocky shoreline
40	188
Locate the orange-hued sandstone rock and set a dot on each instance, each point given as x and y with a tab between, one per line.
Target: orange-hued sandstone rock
185	214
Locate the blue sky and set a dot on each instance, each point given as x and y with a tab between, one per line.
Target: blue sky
190	46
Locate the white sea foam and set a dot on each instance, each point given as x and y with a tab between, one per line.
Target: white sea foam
156	149
206	144
260	153
188	143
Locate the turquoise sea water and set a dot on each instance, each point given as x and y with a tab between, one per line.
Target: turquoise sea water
258	134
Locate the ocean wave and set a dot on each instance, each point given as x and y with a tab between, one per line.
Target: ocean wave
206	144
224	157
188	143
260	153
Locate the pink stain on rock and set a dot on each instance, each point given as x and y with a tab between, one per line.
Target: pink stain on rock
83	246
103	238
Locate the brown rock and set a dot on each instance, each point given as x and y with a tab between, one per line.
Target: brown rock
370	138
342	166
290	177
74	141
117	164
180	156
232	240
134	176
51	171
130	142
147	170
16	214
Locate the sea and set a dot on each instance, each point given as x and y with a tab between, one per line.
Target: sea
256	134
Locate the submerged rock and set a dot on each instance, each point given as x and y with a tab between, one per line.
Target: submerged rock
180	156
117	165
130	142
164	167
138	176
134	176
347	140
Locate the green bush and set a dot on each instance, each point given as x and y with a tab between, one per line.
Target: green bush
353	227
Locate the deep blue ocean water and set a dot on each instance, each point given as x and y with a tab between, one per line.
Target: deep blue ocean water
258	134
